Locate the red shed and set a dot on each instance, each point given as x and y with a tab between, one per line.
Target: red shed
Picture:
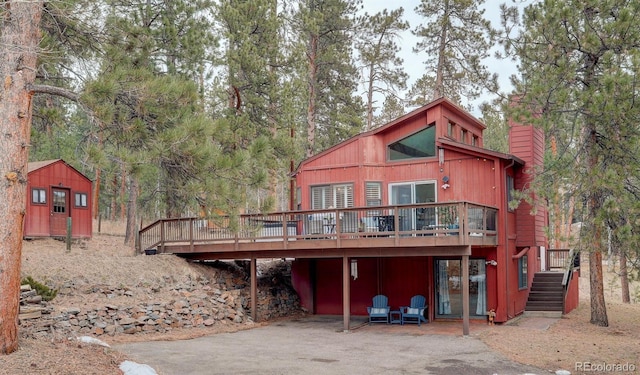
57	191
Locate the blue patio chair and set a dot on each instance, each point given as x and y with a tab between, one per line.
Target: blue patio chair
379	312
414	313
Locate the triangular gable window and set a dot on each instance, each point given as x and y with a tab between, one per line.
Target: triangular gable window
418	145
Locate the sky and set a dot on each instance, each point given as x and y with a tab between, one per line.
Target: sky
413	62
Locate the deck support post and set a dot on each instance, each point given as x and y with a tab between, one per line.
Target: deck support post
346	292
254	290
465	294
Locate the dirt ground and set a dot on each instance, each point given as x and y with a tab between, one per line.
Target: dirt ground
572	341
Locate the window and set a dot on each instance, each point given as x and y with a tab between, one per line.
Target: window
331	196
81	200
475	141
510	190
522	272
38	196
418	145
59	201
373	193
463	136
450	129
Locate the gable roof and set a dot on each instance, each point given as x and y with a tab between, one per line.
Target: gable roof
36	165
32	166
441	101
416	112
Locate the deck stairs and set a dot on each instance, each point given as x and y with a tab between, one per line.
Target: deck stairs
546	296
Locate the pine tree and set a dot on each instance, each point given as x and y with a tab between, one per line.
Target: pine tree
334	112
496	136
147	98
579	62
19	38
455	37
256	65
392	108
423	92
378	50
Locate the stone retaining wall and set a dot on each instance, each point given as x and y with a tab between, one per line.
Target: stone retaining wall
199	303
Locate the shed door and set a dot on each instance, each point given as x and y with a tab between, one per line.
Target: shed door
59	211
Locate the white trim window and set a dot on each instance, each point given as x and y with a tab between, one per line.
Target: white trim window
81	199
331	196
38	196
373	192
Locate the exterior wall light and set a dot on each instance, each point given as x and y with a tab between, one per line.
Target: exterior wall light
445	181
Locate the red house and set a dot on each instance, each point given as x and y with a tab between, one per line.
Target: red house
55	192
432	154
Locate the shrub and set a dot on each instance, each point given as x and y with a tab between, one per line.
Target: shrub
47	293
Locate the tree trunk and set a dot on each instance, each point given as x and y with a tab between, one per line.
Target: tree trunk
556	211
123	190
96	185
438	89
596	282
595	197
370	90
598	306
96	195
132	213
114	196
311	109
624	277
19	38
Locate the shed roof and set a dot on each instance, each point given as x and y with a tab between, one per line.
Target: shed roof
35	165
32	166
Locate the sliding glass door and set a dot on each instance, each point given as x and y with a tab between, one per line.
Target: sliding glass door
449	288
408	193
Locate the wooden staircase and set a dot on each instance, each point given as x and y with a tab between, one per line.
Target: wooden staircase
546	296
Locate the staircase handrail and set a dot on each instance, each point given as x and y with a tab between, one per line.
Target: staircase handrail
570	266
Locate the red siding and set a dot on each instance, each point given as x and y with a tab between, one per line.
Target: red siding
57	174
572	298
397	278
527	143
475	175
470	178
301	278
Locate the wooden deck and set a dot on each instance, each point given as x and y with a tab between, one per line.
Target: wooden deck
431	229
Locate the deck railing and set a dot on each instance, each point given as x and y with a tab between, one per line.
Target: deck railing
461	219
558	259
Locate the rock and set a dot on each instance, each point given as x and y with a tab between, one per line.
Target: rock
129	367
30	312
92	340
126	321
130	330
198	303
72	310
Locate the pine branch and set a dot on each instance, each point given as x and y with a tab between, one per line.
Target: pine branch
54	90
